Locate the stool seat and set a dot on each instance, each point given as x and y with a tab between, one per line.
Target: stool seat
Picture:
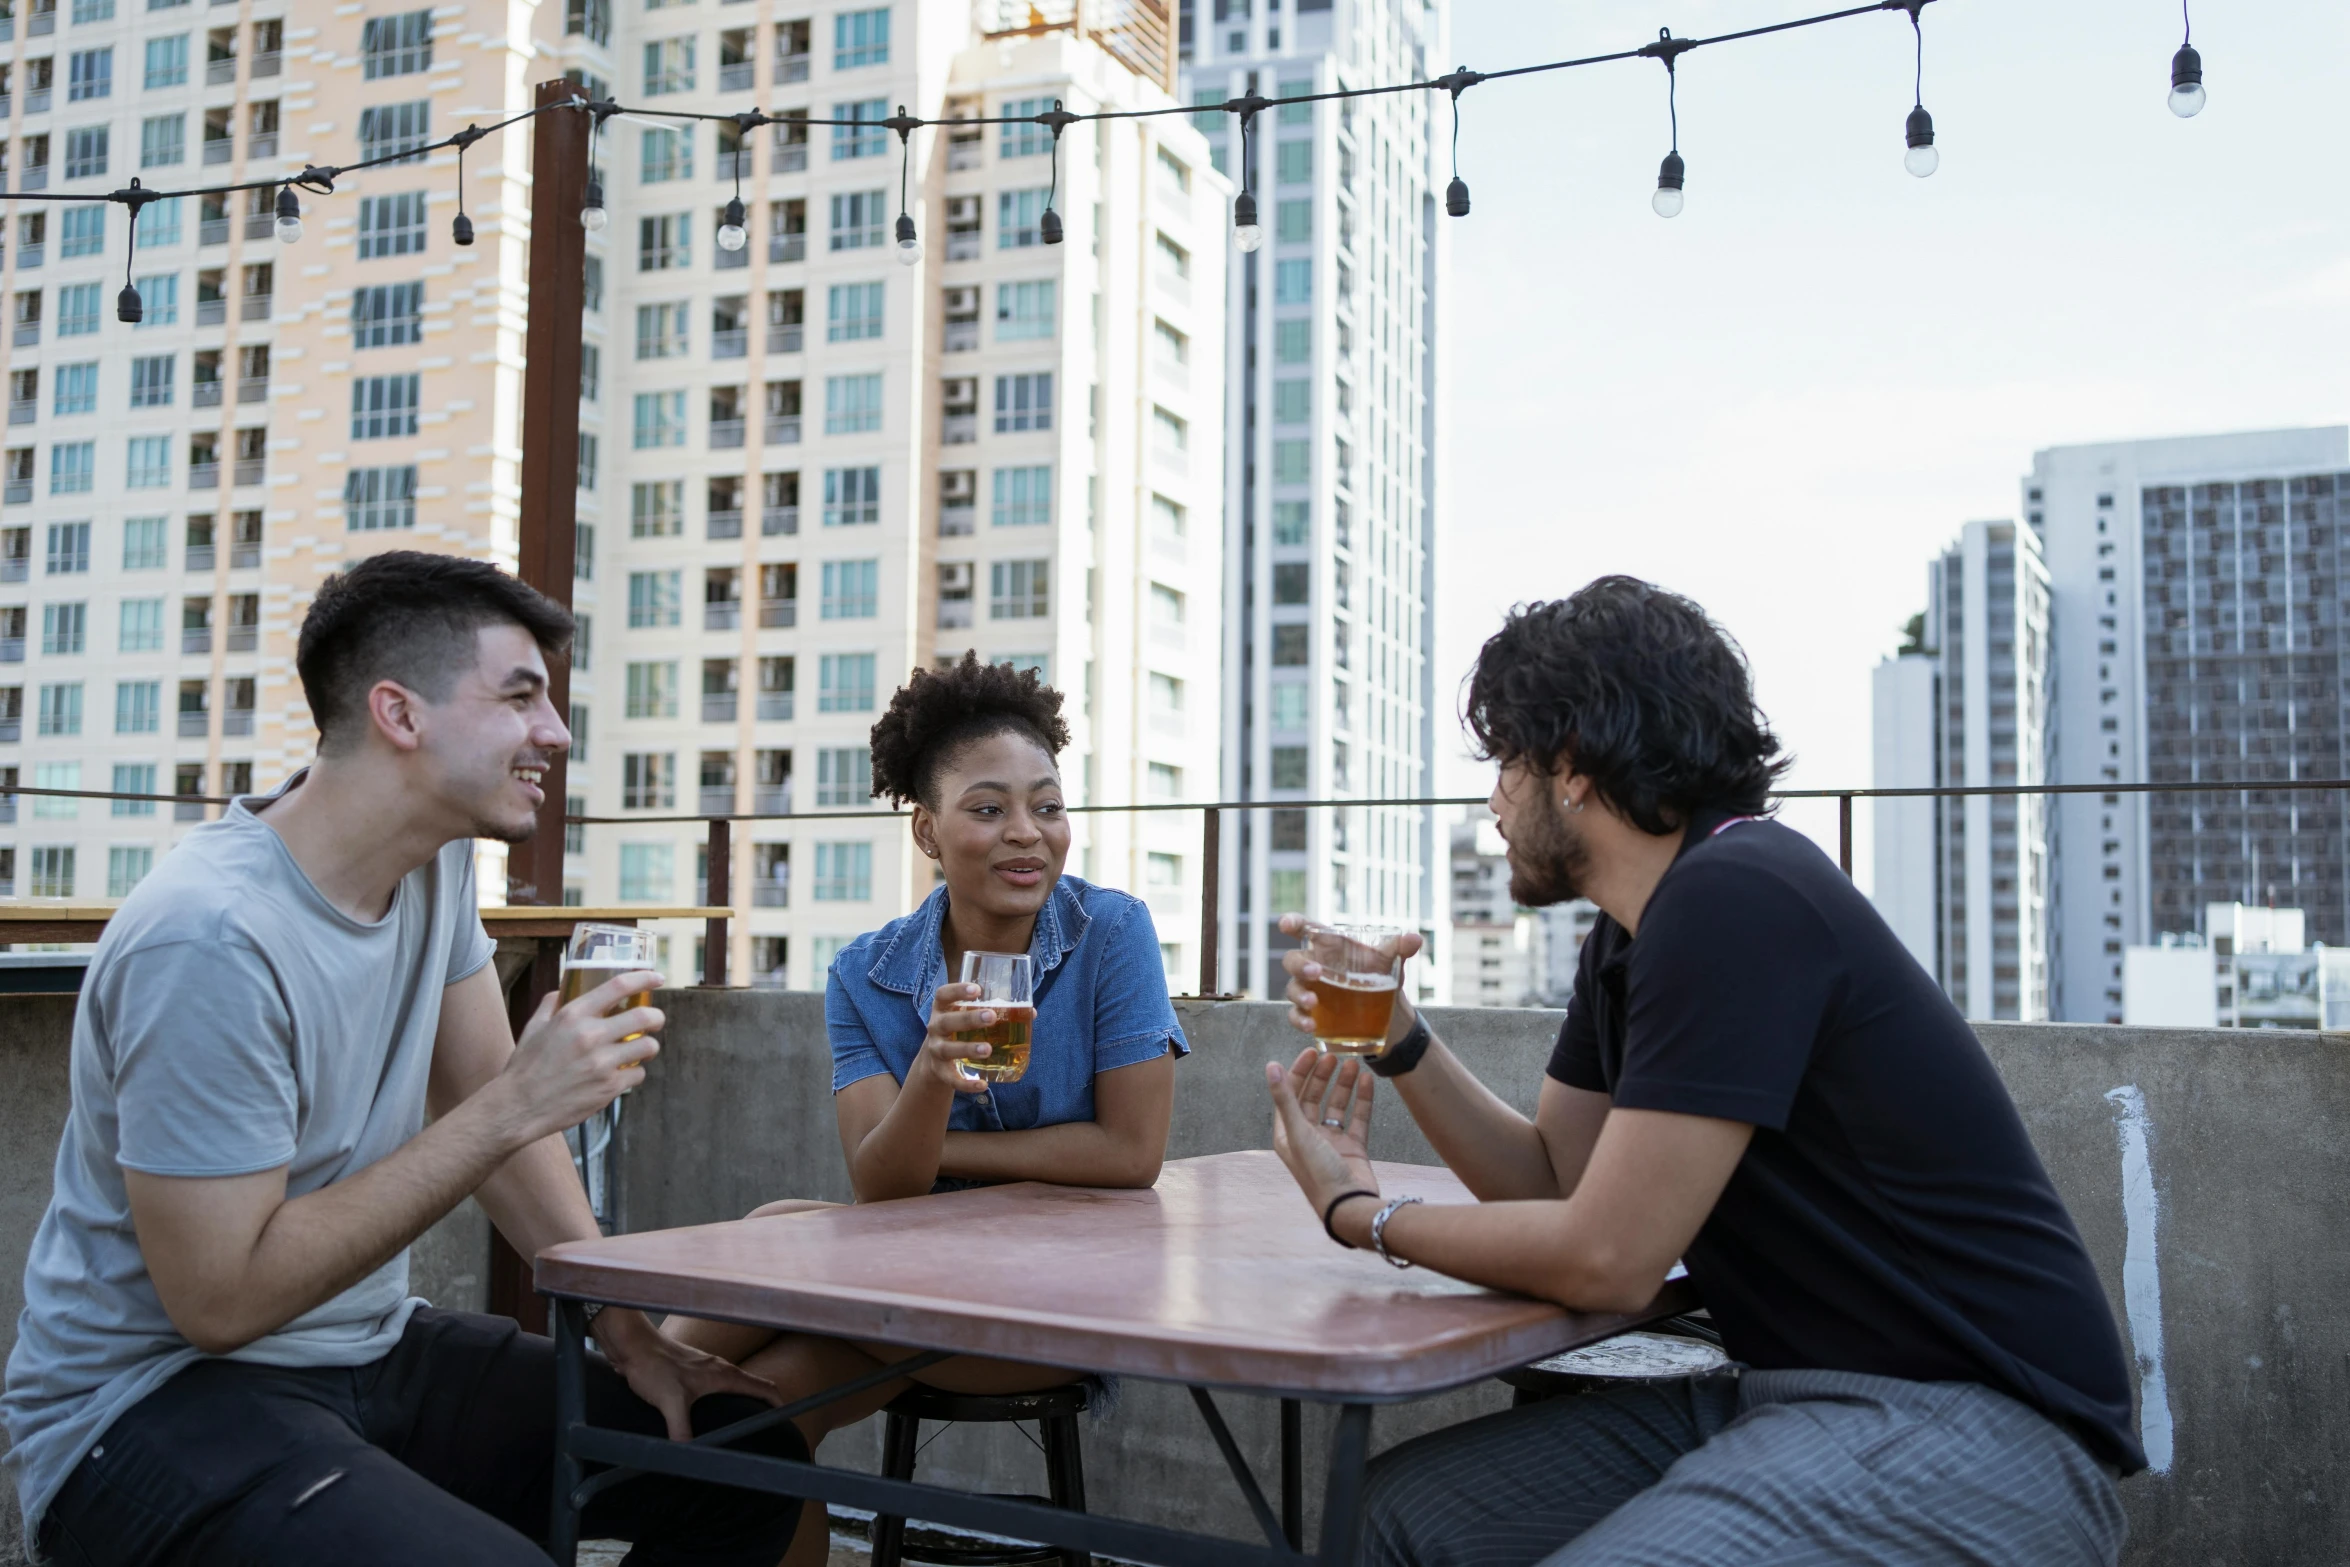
1054	1409
1628	1357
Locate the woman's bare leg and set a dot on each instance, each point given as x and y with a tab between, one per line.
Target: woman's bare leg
738	1341
800	1364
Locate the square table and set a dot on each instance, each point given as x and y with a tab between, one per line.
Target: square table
1217	1277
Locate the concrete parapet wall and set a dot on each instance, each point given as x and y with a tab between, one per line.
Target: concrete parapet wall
2206	1170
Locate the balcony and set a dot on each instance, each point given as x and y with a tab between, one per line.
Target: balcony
958	429
779	614
775	707
27	334
790	68
200	557
956	521
28	256
787	247
962	337
219	71
11	650
190	811
785	339
256	308
717	800
954	614
204	475
211	312
241	556
791	157
243	639
726	524
41	24
718	708
963	247
778	520
737	76
237	720
722	614
205	394
771	800
253	389
36	100
24	410
194	726
194	642
260	225
963	155
262	144
782	430
731	342
8	817
11	729
728	260
223	150
17	493
212	231
266	64
252	470
771	894
15	568
725	434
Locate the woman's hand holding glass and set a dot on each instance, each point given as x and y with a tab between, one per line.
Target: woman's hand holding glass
943	1055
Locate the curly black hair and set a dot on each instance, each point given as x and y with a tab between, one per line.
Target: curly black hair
938	712
1639	691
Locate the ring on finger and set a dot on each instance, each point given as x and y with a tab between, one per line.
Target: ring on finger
1332	1121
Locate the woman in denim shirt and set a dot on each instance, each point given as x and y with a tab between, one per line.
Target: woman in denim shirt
972	749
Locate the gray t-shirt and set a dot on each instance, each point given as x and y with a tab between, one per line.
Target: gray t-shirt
232	1021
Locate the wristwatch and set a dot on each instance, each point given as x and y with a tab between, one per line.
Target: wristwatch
1405	1053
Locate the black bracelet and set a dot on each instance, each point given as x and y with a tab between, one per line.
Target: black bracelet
1405	1053
1331	1212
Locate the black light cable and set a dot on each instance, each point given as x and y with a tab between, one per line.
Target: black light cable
127	304
2186	72
1059	119
909	242
1921	159
1456	195
1671	172
1247	232
733	235
592	215
461	226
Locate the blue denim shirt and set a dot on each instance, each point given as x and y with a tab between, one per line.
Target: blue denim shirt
1101	1003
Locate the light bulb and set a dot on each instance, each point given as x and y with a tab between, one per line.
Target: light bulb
128	306
1247	233
2186	83
592	215
1921	159
909	243
289	216
1049	225
1669	175
1456	197
1248	236
730	227
461	229
289	230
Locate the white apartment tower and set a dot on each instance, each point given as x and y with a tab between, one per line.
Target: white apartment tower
1329	472
1965	880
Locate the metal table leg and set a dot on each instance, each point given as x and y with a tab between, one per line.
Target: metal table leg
1293	1488
570	1411
1342	1501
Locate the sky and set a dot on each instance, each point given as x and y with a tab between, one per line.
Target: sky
1784	401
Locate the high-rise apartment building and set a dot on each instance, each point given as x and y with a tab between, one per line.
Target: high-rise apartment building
2199	622
1329	474
1009	446
1964	880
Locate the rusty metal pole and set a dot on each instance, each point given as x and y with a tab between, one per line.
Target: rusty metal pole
1211	852
1844	832
719	892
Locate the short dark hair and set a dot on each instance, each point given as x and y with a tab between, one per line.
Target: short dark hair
1639	691
412	617
938	712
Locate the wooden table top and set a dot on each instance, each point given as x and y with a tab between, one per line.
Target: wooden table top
1219	1275
57	920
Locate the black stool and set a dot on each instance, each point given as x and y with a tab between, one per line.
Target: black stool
1674	1347
1055	1410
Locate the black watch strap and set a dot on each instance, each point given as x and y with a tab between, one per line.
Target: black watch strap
1405	1053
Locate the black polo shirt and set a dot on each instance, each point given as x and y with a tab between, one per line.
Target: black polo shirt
1890	1216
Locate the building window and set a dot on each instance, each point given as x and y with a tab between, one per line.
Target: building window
844	683
852	590
654	598
64	627
662	331
73	467
660	420
387	315
648	781
160	294
587	462
158	223
1293	341
844	775
1294	163
844	872
1293	401
1290	703
669	67
647	872
149	464
862	136
90	72
1293	282
51	871
391	225
127	864
1019	218
853	312
664	244
1294	222
390	128
1024	311
860	38
167	61
74	389
1290	646
665	156
1292	521
1028	139
652	689
1293	462
1289	766
376	499
143	547
1169	433
138	704
69	549
1019	590
134	778
82	231
383	407
61	709
85	152
141	630
857	219
852	497
852	404
396	45
1024	402
656	510
1023	497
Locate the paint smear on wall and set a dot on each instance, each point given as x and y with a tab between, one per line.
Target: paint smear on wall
2141	1279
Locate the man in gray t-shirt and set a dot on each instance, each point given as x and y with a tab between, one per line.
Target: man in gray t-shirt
219	1359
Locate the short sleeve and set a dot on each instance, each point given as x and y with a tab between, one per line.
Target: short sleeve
1729	985
470	945
854	1056
1133	1019
1574	1060
201	1041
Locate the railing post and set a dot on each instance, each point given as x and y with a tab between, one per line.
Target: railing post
1844	832
1211	852
721	896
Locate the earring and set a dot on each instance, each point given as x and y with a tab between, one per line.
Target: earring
1573	808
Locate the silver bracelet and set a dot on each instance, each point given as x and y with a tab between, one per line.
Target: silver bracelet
1379	1232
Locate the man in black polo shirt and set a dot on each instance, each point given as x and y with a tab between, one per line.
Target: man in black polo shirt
1755	1077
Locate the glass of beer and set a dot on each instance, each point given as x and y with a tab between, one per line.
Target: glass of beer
1354	995
1006	988
597	953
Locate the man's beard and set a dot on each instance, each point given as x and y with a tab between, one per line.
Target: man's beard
503	833
1549	861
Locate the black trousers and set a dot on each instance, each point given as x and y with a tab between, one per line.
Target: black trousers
441	1452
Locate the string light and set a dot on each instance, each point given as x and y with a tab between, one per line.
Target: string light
461	226
289	215
1247	233
909	242
1671	172
1049	222
1456	195
592	215
128	307
2186	72
1921	159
